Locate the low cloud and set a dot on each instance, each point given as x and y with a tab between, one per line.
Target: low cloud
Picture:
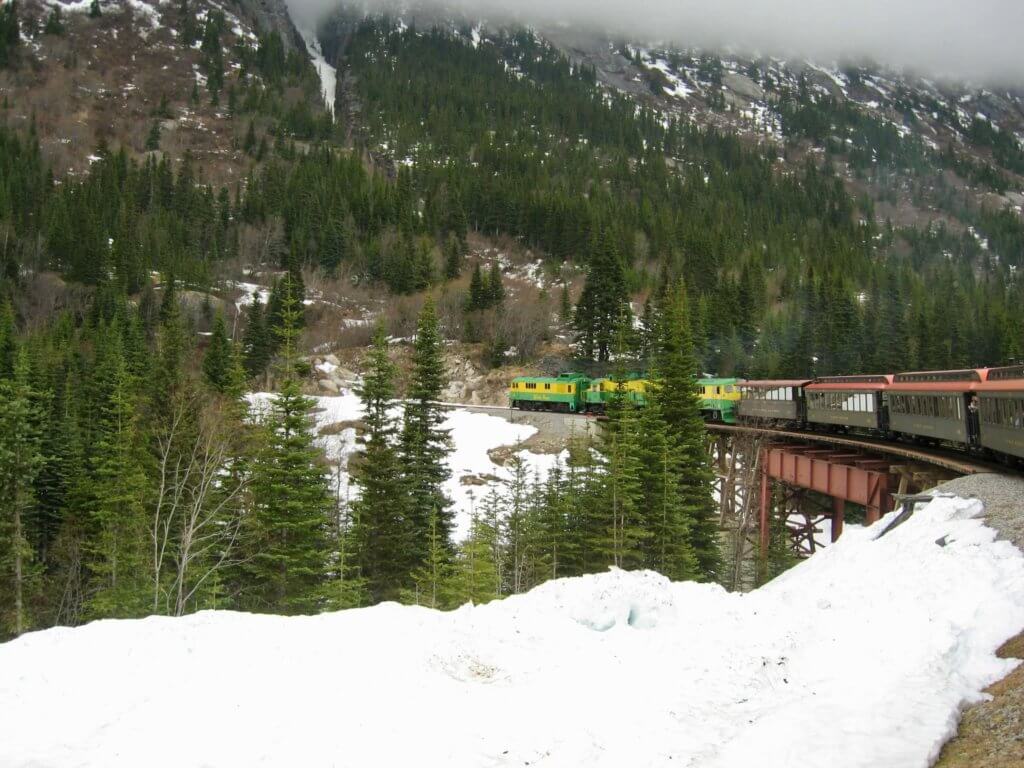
963	39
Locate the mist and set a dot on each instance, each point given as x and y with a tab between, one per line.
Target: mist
976	40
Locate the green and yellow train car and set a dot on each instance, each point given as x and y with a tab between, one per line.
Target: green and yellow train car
565	392
601	391
719	399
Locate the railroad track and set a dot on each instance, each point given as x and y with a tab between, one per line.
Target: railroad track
951	460
947	459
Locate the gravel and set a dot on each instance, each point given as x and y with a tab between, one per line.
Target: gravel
1003	497
991	733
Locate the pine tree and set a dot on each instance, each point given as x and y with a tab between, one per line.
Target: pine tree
54	24
288	524
478	293
424	444
380	536
21	460
495	289
452	257
620	449
219	357
677	395
603	302
257	344
475	572
117	489
153	137
94	9
432	582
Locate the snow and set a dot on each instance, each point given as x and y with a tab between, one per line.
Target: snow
879	639
328	74
473	436
248	289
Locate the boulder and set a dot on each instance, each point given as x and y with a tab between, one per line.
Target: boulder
327	385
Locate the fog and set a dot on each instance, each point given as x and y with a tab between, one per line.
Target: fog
963	39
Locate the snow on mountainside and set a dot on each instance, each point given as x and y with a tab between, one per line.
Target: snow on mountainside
879	639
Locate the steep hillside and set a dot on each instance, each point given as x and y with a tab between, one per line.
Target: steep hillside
164	77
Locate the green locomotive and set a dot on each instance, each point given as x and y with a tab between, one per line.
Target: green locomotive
578	393
566	392
719	399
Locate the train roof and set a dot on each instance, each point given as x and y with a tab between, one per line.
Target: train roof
774	383
870	383
1009	378
712	381
561	376
964	380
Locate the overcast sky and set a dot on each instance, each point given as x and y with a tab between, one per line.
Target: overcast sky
975	39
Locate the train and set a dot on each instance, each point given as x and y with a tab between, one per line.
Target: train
980	410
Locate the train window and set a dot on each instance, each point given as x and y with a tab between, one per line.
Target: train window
547	386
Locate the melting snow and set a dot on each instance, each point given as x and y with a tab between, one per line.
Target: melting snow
473	435
880	639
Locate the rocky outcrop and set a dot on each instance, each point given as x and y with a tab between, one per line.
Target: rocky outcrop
271	15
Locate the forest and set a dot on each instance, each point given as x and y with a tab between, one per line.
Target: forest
139	476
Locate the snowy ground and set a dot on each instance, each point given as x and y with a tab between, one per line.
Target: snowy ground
474	474
872	646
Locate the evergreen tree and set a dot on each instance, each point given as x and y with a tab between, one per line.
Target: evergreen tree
94	9
424	444
257	343
680	406
116	491
153	137
286	536
603	302
219	358
495	289
21	460
380	526
475	572
432	585
478	293
54	23
452	257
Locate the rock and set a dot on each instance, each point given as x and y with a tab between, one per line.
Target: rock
327	385
332	359
743	86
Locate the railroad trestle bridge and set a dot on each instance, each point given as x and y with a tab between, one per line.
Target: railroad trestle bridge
802	483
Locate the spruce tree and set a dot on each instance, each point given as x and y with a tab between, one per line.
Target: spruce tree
603	302
680	405
21	460
620	449
474	576
257	344
287	527
478	294
380	537
153	137
116	490
288	524
495	289
219	357
424	444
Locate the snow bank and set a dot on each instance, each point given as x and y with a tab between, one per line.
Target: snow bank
873	644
